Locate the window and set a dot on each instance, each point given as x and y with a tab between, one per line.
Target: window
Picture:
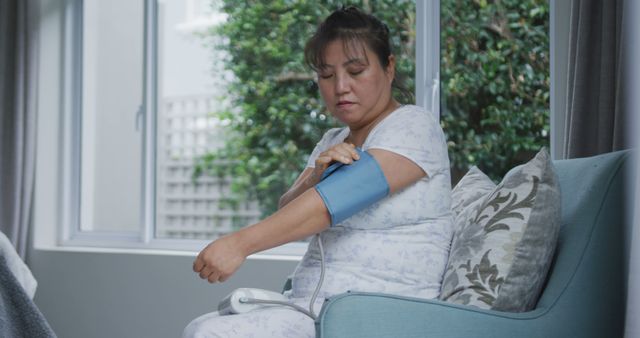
192	86
153	107
495	83
145	98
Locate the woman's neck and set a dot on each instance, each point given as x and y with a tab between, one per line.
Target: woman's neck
357	135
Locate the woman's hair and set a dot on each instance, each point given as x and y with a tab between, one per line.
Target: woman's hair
353	27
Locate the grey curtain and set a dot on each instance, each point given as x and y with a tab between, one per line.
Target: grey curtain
603	104
596	118
18	120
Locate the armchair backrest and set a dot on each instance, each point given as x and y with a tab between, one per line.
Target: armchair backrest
587	281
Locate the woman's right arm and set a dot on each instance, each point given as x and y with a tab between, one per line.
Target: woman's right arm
302	217
343	152
302	183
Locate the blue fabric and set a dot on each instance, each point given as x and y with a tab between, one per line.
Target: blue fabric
347	189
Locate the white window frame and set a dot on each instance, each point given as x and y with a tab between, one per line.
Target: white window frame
67	222
427	62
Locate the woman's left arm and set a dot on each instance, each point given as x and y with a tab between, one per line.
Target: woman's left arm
304	216
399	171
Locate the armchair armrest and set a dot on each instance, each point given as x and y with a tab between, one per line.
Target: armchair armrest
359	314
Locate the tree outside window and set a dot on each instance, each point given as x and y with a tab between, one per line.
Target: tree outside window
494	84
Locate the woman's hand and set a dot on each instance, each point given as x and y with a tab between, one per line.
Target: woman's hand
343	152
220	259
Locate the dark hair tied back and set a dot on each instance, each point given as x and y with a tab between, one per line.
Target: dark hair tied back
354	28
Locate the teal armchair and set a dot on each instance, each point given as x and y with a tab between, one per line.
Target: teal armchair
584	295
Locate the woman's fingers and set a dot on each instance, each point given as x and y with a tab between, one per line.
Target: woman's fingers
198	264
205	273
340	155
211	274
343	152
220	259
213	277
323	161
350	149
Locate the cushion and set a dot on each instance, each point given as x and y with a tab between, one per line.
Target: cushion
504	240
473	185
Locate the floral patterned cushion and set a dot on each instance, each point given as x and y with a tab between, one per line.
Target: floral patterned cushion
504	240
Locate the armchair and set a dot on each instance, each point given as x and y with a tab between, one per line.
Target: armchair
584	295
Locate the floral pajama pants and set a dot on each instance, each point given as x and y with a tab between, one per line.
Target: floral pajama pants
276	322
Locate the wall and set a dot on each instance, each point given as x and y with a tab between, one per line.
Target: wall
106	295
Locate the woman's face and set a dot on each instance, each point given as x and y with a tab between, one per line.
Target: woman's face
354	86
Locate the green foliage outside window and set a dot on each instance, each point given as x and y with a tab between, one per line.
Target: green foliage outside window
278	116
494	82
495	86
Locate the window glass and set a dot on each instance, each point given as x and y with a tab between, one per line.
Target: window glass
494	83
192	87
111	128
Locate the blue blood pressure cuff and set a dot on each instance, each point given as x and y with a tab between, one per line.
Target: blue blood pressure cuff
348	188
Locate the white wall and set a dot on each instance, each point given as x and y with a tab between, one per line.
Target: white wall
102	295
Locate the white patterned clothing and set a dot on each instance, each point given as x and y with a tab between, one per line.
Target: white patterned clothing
398	245
274	322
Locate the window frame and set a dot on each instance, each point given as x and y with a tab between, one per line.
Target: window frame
428	63
72	75
70	233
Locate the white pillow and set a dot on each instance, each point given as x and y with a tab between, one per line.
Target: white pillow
473	186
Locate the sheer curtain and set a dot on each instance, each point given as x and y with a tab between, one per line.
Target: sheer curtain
18	122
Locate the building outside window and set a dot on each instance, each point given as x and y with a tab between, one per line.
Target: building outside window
192	88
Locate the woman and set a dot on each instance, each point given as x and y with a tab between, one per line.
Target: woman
398	245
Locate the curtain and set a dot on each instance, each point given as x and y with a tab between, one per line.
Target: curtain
18	120
603	106
595	116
